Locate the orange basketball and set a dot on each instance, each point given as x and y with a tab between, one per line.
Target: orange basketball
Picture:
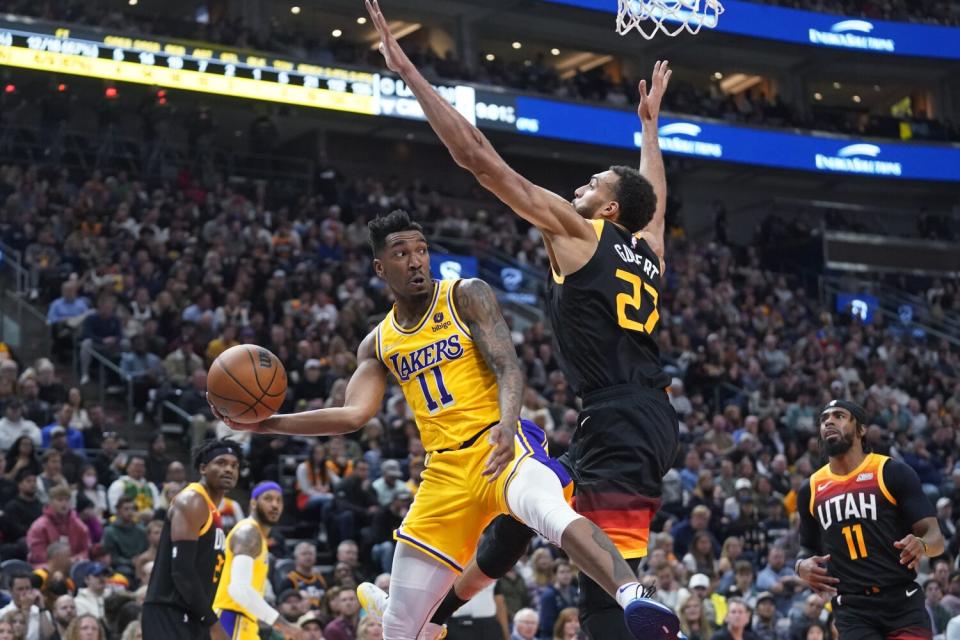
247	383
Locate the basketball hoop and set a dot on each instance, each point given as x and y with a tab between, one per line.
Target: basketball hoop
669	16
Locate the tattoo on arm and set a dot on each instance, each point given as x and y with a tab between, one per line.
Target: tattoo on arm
246	541
479	308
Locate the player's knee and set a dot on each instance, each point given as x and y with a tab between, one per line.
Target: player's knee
503	544
537	498
398	624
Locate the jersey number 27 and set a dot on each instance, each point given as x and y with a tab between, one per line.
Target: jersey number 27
633	301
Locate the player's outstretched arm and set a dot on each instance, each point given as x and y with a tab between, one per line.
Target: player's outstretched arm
471	150
651	158
245	543
478	306
364	398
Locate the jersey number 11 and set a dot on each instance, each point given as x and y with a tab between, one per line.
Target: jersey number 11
851	534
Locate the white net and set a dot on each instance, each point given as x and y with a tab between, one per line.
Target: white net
667	16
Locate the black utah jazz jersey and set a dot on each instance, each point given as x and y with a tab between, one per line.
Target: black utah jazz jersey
211	549
856	518
604	315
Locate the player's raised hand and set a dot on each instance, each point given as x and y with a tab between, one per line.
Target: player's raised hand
396	59
911	550
649	109
501	436
236	426
812	572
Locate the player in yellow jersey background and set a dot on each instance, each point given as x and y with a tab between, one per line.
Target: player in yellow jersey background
448	347
239	601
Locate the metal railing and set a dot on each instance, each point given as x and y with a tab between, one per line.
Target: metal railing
24	279
106	364
24	327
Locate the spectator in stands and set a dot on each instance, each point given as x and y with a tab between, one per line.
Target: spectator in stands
567	626
312	626
737	622
559	596
52	474
510	595
355	504
51	391
9	370
194	401
54	576
21	455
62	421
388	485
684	531
134	485
808	614
779	579
766	618
71	462
526	623
144	369
701	557
13	425
939	617
181	364
385	522
34	407
291	605
695	622
157	459
226	339
58	522
315	483
23	601
124	539
109	463
348	611
91	599
303	577
64	611
64	316
100	332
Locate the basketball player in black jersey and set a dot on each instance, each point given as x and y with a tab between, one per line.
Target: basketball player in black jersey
606	253
190	555
865	523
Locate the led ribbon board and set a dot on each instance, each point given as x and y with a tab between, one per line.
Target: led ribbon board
49	48
821	29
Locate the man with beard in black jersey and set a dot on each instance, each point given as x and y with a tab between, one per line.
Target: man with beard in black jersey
865	524
190	556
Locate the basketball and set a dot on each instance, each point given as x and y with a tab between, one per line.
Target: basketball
247	383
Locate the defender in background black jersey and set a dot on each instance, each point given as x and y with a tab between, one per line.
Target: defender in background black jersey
190	555
606	250
865	523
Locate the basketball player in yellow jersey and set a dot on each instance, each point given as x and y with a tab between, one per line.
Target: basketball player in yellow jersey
448	347
239	601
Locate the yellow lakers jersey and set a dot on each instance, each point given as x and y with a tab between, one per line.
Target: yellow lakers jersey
260	566
447	383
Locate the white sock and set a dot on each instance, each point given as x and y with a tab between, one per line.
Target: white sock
431	631
628	593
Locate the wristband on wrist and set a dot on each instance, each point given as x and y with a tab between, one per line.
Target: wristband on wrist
924	543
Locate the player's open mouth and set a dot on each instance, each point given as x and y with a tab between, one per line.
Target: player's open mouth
830	433
418	280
